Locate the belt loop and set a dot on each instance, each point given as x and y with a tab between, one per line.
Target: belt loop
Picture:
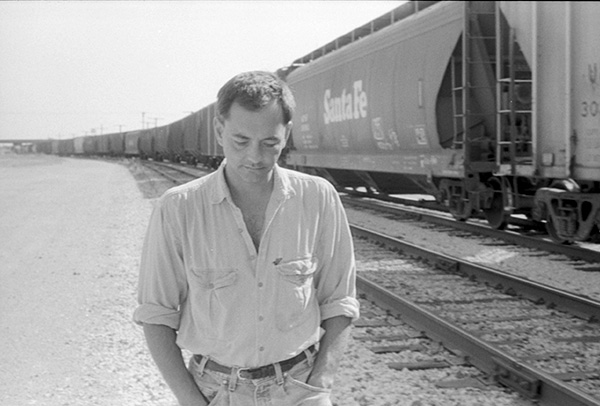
233	377
309	357
278	374
202	364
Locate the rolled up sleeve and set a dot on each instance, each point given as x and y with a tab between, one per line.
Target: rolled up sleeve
161	286
336	283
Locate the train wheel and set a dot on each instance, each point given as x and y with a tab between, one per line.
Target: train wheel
497	217
570	186
551	230
457	201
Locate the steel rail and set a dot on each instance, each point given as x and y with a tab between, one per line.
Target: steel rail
511	284
193	172
507	370
514	238
163	173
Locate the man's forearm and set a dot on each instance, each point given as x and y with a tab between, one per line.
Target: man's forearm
168	358
331	349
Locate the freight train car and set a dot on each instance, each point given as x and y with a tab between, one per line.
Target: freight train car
488	106
78	144
66	147
191	138
102	145
160	143
199	141
44	147
90	146
211	151
175	141
146	144
116	143
132	140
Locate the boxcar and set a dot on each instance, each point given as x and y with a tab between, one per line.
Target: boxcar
191	138
44	147
211	152
132	141
66	147
90	146
54	147
116	144
78	143
175	141
146	143
102	145
160	147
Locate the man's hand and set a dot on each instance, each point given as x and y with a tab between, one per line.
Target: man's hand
168	358
331	349
321	381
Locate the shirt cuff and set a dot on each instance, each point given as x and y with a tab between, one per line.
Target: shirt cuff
347	306
155	314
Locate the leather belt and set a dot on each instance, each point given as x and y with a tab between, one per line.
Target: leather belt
256	373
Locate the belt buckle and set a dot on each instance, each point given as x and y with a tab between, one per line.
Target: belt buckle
240	370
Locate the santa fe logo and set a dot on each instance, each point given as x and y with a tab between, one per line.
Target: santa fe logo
347	106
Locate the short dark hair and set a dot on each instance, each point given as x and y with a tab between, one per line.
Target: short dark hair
253	91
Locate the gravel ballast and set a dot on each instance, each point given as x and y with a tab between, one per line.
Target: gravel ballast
72	231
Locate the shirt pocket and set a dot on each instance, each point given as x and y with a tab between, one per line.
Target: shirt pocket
214	279
214	299
296	296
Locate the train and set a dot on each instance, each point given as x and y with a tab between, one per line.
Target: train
491	107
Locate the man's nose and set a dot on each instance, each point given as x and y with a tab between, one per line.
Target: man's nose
255	152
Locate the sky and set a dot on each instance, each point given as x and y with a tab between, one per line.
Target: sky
75	68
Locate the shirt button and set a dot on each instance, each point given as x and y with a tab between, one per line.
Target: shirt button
252	257
261	348
260	284
260	318
240	230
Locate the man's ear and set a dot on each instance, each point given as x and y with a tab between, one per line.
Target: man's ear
288	130
218	124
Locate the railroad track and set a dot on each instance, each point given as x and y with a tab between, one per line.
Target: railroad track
523	334
176	173
518	238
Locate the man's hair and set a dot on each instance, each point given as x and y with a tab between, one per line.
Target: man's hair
253	91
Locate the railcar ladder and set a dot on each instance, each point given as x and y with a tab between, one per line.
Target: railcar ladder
514	146
473	74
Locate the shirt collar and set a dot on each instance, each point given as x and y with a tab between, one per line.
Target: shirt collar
281	188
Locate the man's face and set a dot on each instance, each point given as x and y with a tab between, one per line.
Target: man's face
252	142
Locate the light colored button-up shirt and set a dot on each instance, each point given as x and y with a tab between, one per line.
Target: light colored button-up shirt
200	272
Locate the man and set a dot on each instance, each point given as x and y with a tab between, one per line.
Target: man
250	268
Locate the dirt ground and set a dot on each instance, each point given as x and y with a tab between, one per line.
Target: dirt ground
71	232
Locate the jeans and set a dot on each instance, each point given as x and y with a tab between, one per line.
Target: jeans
284	389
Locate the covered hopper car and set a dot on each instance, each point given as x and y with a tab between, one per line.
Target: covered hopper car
491	107
488	106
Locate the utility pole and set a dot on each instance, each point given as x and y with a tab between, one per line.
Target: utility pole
155	120
143	121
